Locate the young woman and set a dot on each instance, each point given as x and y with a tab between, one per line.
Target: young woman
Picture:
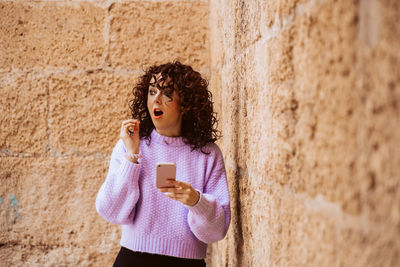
173	121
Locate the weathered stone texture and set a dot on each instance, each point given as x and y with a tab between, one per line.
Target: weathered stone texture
38	35
67	70
48	211
24	112
279	12
307	92
379	92
324	139
319	234
146	33
86	111
43	255
310	113
63	114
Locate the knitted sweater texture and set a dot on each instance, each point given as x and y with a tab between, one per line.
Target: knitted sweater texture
152	222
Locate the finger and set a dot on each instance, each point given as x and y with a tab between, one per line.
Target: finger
172	190
180	190
181	184
131	127
168	185
170	182
130	120
127	125
130	124
166	189
176	183
169	194
174	197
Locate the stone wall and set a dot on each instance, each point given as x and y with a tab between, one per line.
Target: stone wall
66	73
309	97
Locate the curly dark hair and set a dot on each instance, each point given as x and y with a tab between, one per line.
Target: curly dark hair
199	121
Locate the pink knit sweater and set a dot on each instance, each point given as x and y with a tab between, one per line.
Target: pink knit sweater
152	222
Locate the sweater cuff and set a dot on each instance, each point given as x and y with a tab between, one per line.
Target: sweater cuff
200	207
128	168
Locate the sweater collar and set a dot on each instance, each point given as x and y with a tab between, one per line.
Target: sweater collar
166	140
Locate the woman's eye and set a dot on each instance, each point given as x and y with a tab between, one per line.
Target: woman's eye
152	92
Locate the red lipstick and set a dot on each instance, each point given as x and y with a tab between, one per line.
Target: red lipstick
157	113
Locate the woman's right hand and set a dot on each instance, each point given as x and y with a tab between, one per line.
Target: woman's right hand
131	142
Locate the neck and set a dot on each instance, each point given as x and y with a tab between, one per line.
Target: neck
169	132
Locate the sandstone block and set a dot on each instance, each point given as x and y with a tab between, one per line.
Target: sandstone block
147	33
86	111
279	12
37	35
228	113
24	109
49	204
379	93
216	254
247	18
228	31
268	108
312	232
313	181
43	255
216	34
325	147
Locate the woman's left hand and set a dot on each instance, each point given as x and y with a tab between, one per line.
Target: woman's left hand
182	192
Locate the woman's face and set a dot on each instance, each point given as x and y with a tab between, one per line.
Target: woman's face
164	108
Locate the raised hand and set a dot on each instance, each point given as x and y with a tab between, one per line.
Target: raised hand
130	135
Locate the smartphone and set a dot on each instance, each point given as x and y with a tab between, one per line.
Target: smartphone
164	171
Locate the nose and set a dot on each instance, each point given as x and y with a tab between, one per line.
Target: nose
158	99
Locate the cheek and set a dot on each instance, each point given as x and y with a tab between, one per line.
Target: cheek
174	106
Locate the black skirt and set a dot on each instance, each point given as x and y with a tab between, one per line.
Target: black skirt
129	258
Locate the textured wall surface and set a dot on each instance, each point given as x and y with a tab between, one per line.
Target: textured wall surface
66	72
309	94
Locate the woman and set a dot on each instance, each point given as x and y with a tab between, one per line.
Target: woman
173	121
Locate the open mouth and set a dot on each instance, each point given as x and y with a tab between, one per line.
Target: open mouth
158	113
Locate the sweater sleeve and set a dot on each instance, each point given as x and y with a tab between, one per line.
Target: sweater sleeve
209	219
119	193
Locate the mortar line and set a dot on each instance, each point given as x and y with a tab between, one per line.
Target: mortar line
9	153
50	71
